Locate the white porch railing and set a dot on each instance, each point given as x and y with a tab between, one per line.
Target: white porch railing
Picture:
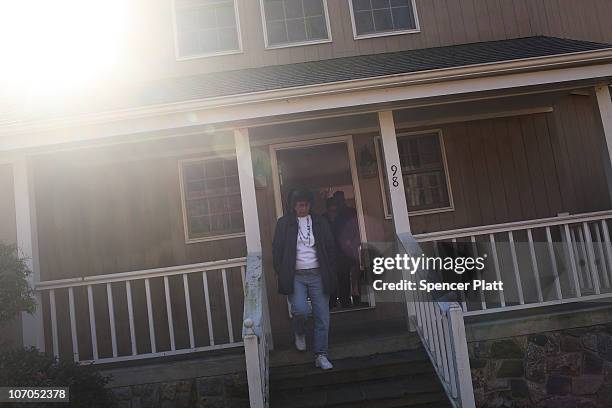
204	272
541	262
256	333
441	329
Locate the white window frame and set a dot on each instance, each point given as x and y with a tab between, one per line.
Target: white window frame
329	39
179	57
415	30
382	168
189	240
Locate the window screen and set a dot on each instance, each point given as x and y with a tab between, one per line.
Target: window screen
382	16
212	198
295	21
205	27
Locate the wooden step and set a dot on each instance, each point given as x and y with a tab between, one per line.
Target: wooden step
379	366
424	401
389	393
356	347
390	380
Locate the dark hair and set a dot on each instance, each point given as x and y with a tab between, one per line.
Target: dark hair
330	202
339	198
298	195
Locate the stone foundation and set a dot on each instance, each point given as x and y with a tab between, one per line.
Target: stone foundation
227	391
569	368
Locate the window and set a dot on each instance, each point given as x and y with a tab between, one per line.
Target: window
206	27
212	206
383	17
424	172
295	22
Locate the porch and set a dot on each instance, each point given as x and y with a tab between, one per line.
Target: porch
153	248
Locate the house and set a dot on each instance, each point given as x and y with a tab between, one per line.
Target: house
147	210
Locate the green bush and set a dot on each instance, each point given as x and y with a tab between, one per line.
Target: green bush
16	296
29	367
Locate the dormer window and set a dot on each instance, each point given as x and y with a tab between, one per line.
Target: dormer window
206	28
295	22
374	18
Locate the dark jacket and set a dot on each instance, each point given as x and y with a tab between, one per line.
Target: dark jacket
346	232
284	252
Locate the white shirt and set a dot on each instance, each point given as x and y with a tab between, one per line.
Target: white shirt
306	252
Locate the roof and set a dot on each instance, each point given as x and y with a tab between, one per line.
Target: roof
280	77
358	67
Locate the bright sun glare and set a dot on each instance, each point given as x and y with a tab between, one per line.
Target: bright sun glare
57	46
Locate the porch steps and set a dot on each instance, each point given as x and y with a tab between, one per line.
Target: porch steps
389	380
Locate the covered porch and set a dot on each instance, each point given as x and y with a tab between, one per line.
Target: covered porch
121	278
136	256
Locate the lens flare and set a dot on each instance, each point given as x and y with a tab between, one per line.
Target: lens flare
52	47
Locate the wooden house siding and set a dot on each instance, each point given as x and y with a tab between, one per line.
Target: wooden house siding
108	217
527	167
442	22
115	217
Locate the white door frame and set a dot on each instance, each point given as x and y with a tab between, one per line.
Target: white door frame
348	141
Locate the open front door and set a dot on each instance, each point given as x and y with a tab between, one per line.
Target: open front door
324	166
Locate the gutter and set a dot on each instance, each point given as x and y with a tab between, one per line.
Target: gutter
288	94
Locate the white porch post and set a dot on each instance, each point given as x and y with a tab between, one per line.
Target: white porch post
394	172
604	103
27	243
396	188
256	333
249	209
247	190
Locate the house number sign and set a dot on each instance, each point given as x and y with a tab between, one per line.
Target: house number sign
394	180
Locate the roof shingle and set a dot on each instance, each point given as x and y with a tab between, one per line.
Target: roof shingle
358	67
276	77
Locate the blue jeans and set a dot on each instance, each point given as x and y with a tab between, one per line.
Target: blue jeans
308	283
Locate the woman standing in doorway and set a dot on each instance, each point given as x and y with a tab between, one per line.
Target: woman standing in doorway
304	257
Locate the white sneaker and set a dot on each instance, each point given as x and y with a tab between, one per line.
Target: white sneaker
323	363
300	342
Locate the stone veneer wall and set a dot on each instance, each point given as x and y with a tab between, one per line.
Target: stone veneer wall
228	391
558	369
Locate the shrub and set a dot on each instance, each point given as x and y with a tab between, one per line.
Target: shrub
16	296
28	367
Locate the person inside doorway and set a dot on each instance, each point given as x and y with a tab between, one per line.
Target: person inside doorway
346	231
331	214
304	257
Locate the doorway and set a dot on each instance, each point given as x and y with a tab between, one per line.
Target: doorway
324	166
